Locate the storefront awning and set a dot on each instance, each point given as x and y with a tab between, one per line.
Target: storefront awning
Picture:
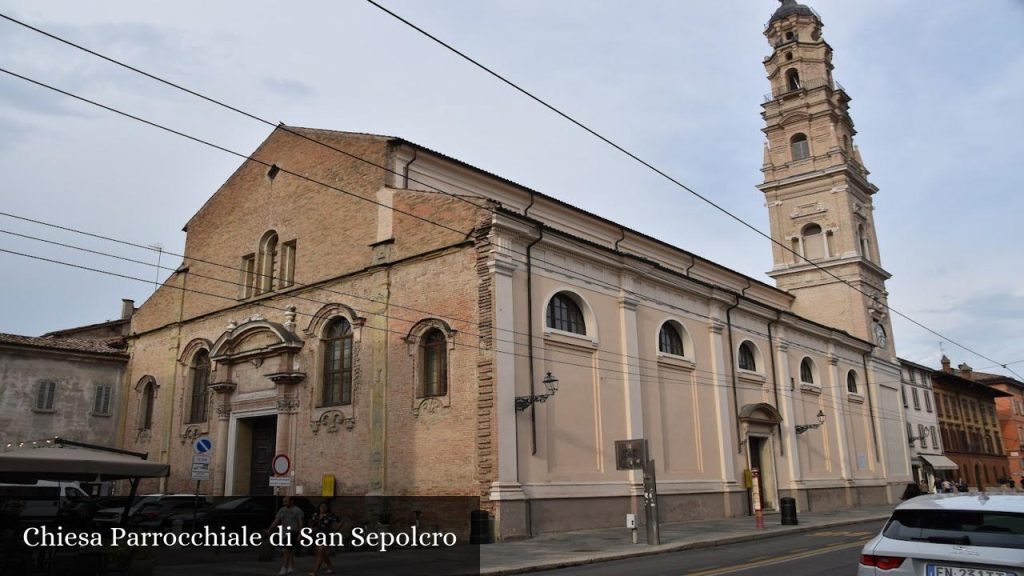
939	462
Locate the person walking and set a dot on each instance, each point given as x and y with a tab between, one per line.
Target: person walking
323	522
290	517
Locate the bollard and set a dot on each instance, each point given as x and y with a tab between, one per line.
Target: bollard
788	508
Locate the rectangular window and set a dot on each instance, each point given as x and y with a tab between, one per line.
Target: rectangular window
903	394
938	406
917	400
935	438
101	402
927	400
910	434
248	276
45	392
288	264
922	435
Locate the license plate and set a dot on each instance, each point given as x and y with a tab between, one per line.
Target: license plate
938	570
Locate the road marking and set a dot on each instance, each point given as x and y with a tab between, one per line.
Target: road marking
776	560
759	558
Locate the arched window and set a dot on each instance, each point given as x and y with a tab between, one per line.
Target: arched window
792	79
807	371
148	400
564	314
748	357
200	386
337	374
799	147
434	365
862	242
267	264
670	341
814	244
851	382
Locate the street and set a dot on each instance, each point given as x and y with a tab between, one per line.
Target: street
828	551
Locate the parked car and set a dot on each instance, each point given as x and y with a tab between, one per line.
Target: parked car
950	535
40	501
112	516
153	514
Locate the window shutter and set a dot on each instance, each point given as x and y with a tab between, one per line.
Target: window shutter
44	395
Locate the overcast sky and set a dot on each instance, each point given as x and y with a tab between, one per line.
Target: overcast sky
937	87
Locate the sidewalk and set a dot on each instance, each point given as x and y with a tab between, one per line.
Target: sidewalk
588	546
547	551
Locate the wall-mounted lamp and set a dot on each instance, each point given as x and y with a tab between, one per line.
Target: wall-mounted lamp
801	428
550	384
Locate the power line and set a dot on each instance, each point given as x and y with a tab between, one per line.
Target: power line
316	286
638	377
519	89
660	172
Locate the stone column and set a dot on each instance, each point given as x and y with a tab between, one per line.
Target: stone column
721	373
787	410
838	386
506	492
287	406
222	407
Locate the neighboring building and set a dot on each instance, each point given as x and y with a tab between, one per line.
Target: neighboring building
922	412
1010	411
59	387
969	426
383	332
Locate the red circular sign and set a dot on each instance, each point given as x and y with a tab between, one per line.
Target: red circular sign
281	465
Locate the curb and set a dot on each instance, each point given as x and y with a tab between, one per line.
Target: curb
668	548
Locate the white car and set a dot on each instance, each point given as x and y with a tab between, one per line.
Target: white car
950	535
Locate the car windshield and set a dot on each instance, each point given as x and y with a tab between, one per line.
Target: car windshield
989	528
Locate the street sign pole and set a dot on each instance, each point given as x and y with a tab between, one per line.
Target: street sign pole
651	504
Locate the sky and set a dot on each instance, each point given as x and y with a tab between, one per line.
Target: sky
936	88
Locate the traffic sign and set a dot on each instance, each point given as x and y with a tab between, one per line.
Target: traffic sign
280	480
200	467
281	465
202	445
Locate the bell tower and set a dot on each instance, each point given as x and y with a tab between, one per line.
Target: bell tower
816	187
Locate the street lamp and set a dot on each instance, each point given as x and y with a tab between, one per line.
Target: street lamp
550	383
801	428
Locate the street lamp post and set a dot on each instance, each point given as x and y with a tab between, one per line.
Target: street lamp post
801	428
550	384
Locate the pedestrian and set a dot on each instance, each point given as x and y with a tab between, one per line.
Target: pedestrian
323	522
913	490
290	518
947	486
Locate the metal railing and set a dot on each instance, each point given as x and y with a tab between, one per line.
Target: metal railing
810	84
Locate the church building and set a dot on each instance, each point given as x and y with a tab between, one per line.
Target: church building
398	322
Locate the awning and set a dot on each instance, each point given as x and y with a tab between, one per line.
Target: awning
62	463
939	462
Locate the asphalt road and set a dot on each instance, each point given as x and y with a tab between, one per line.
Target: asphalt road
828	551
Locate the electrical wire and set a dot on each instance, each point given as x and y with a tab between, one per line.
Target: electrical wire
531	96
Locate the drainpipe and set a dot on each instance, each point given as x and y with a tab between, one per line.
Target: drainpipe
775	376
529	329
693	262
732	370
623	232
405	171
871	409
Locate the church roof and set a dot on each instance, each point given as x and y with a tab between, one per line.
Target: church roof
789	8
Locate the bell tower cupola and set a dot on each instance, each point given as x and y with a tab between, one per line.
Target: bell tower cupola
815	185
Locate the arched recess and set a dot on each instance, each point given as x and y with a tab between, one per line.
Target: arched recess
813	241
760	413
319	321
684	338
439	395
190	350
589	319
146	389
